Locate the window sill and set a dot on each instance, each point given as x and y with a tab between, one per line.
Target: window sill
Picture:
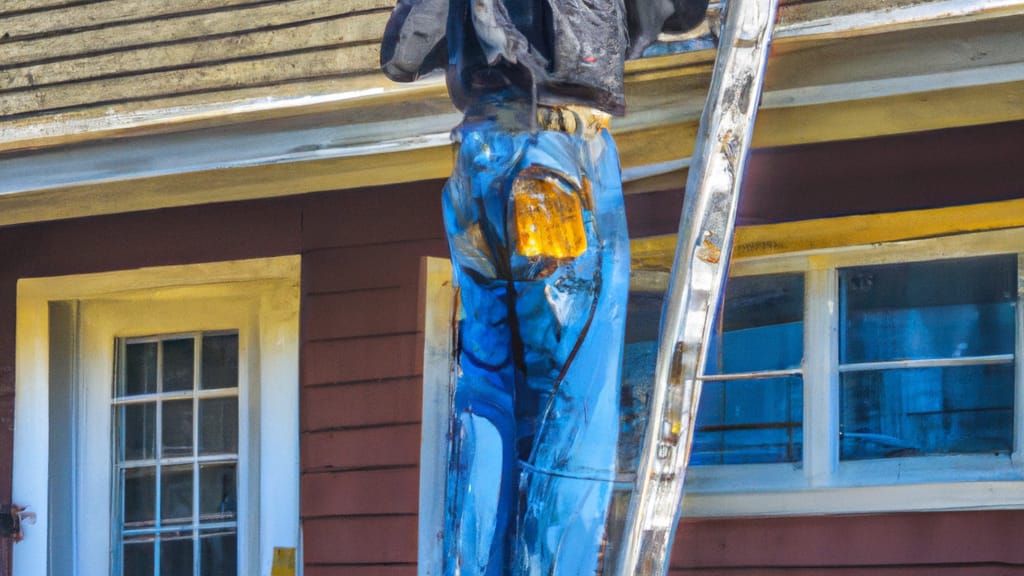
968	482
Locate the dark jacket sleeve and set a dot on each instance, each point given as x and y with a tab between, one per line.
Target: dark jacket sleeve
414	39
647	18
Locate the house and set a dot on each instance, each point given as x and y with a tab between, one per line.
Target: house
215	214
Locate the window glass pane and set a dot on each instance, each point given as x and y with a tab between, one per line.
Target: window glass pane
176	554
164	431
925	411
217	500
176	494
138	425
178	364
740	421
177	428
218	426
920	310
637	389
220	361
139	497
218	554
138	557
760	327
749	422
139	369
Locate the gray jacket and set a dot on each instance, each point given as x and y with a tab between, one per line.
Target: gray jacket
550	51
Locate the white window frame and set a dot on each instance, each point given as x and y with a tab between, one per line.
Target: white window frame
821	483
259	298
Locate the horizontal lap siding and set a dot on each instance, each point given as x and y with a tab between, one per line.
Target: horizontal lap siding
128	53
360	540
918	570
362	366
922	543
382	401
360	375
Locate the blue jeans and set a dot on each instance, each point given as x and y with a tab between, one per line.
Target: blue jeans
533	444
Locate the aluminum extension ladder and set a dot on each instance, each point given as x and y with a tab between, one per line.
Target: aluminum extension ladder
698	276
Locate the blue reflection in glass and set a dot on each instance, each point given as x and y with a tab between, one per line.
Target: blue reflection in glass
926	310
955	311
769	347
743	420
926	411
532	462
749	422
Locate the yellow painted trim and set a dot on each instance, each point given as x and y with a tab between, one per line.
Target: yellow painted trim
969	106
887	116
657	252
200	280
248	183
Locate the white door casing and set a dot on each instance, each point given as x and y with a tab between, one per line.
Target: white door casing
259	298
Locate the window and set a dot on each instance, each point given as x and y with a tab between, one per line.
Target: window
926	358
175	428
912	394
157	420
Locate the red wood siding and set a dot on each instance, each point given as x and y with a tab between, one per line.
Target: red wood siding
361	354
361	365
881	544
914	171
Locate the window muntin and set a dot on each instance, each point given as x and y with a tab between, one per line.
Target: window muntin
926	358
751	408
177	473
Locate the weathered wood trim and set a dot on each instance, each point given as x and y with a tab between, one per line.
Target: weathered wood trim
229	184
835	19
844	94
103	14
656	253
192	27
197	57
900	114
235	104
314	63
195	112
436	321
841	120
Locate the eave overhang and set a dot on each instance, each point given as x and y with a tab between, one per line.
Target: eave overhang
838	71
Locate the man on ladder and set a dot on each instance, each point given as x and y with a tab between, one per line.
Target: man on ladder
536	227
